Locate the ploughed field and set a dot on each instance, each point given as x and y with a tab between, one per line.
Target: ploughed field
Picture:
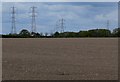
60	59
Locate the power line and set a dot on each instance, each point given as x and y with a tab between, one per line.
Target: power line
33	27
56	26
108	24
13	31
62	24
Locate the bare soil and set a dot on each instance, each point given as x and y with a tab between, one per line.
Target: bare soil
60	59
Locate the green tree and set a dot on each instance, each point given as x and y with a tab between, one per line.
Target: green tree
56	34
38	35
83	34
24	33
99	33
71	34
116	32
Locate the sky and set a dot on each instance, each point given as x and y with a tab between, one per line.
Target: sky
78	16
59	0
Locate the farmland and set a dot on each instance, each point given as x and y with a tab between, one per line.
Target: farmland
60	59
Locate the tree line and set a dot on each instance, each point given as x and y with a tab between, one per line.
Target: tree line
89	33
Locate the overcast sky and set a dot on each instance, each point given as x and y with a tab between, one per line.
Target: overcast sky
60	0
78	15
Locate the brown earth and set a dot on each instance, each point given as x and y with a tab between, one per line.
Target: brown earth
60	59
